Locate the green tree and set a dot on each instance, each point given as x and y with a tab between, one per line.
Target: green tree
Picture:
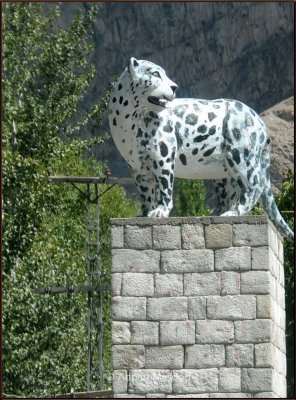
46	75
190	198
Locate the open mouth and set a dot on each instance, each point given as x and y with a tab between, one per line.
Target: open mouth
158	102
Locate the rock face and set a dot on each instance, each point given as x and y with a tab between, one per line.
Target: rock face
279	120
234	50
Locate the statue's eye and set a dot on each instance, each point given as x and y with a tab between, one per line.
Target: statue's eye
156	74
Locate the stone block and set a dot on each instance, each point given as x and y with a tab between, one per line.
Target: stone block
250	235
116	282
192	236
205	284
128	308
230	395
257	380
145	332
167	308
214	331
117	237
204	356
269	356
198	260
240	355
261	258
166	237
120	381
229	379
128	396
177	332
137	284
150	381
265	395
188	396
231	307
195	381
127	356
164	357
249	331
138	237
168	285
279	385
264	306
229	283
218	236
257	282
197	308
233	259
121	333
129	260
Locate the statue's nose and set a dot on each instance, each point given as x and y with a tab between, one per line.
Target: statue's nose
174	88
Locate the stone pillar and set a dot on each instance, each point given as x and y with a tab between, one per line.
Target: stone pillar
198	308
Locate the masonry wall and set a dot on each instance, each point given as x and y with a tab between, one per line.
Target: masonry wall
198	308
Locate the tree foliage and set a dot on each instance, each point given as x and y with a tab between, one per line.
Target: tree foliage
190	198
46	75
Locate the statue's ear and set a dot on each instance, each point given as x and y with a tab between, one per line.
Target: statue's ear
132	66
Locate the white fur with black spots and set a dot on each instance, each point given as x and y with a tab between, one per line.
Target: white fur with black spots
162	137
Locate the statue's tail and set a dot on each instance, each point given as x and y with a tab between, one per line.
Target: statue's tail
268	202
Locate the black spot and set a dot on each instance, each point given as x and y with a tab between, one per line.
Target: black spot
187	144
114	121
161	163
212	130
165	172
143	188
140	132
236	133
236	156
194	152
253	139
171	178
114	99
202	129
120	99
164	182
191	119
211	116
238	105
168	127
249	173
180	110
123	140
255	180
200	160
127	115
163	149
125	103
120	86
242	199
240	183
178	136
268	141
209	152
183	159
117	112
230	162
246	153
133	126
200	138
144	142
168	160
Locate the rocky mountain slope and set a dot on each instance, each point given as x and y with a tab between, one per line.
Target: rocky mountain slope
279	120
235	50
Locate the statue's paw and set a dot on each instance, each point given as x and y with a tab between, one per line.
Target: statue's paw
159	213
230	214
